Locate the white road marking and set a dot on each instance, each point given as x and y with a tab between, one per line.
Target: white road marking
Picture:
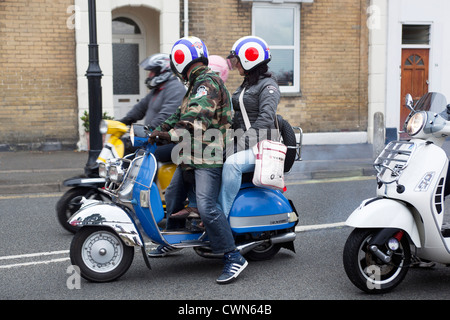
63	253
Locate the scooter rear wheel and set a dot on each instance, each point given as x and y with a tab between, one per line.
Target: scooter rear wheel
262	252
369	273
100	254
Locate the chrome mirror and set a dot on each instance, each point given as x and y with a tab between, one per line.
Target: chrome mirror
409	102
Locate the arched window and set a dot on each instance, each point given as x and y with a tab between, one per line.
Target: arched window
122	25
414	60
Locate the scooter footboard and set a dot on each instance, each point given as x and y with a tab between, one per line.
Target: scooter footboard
97	213
385	213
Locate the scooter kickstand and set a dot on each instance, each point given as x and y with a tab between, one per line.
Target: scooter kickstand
147	261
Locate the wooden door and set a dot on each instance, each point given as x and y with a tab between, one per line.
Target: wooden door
414	77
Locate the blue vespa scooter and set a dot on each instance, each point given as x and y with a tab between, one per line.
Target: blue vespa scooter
262	220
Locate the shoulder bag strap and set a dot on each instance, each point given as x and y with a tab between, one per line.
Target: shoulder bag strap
243	111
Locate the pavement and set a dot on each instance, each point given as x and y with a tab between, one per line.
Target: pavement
28	172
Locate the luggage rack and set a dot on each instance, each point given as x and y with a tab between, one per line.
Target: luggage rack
394	158
299	142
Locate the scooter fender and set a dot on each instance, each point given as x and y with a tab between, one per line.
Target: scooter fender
385	213
84	182
97	213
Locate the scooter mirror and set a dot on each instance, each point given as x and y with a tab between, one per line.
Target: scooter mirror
409	102
138	135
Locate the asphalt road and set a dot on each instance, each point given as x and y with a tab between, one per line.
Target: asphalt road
34	260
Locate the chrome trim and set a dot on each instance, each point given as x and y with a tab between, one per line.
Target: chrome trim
261	220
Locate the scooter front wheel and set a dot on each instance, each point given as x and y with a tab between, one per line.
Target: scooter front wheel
368	272
100	254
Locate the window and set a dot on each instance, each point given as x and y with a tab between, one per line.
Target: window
415	34
279	25
125	68
123	25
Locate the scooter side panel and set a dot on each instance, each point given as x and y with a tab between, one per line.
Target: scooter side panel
259	209
385	213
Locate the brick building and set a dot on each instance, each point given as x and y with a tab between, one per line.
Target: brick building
38	90
319	47
330	47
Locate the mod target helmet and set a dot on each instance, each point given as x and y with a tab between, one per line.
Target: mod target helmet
185	52
251	52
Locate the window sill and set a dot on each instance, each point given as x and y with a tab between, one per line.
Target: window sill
291	94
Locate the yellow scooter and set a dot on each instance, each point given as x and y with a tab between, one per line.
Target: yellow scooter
87	186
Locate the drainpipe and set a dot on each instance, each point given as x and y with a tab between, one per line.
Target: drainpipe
186	18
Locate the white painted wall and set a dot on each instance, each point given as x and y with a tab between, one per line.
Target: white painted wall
169	27
435	13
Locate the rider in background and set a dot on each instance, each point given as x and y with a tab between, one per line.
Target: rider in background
219	65
165	96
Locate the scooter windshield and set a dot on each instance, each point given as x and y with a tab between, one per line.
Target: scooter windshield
433	102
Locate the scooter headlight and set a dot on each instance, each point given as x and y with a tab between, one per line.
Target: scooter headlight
116	173
103	127
416	123
103	170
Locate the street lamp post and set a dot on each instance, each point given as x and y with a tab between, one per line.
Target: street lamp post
94	76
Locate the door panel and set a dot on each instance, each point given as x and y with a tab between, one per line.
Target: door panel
414	77
128	77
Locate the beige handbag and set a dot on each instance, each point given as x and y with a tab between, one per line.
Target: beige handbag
269	157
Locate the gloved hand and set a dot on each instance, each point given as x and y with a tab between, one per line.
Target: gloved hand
127	121
157	136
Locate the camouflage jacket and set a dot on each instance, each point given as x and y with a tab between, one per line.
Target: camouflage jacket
199	125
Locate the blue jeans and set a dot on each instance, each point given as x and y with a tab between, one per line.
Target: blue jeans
207	186
234	166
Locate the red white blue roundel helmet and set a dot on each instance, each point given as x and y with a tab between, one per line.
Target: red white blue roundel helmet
251	51
185	52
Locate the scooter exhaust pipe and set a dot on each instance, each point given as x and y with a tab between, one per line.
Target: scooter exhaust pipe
282	238
285	237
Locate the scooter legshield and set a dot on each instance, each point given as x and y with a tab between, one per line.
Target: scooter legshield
97	213
146	198
260	209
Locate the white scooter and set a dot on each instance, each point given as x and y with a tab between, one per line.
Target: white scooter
407	216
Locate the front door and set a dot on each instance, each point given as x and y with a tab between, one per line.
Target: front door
128	49
414	77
